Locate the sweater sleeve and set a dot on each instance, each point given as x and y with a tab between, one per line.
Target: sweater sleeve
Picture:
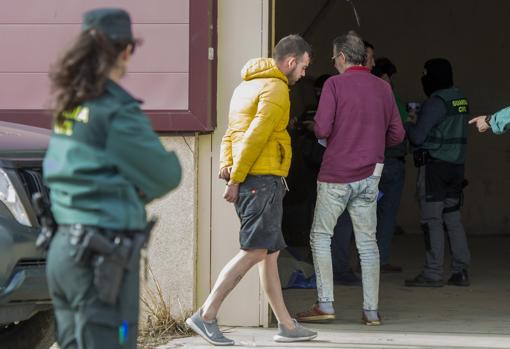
432	113
395	133
325	116
500	121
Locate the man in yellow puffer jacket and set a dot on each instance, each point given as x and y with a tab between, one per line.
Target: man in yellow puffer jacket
255	158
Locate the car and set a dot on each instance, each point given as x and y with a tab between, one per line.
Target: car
26	315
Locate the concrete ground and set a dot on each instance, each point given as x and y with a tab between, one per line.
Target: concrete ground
331	339
448	317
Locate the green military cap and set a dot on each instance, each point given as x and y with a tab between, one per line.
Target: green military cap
115	23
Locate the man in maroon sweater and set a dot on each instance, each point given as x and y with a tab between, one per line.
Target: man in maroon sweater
357	118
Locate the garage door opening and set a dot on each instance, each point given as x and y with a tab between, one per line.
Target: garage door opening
472	35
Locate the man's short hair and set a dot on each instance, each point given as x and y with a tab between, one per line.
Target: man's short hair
368	45
352	47
383	66
292	45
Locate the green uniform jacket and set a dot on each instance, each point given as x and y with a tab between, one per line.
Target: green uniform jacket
401	149
500	121
447	140
104	163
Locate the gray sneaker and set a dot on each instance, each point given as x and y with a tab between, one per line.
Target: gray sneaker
298	334
207	330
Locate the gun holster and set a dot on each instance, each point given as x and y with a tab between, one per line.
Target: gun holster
109	270
107	253
110	254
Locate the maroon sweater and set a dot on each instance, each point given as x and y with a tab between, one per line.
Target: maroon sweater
358	116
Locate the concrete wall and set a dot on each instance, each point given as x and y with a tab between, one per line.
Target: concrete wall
471	33
172	249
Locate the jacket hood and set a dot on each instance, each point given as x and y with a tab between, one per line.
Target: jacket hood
262	68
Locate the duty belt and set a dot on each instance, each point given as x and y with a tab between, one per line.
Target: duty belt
80	229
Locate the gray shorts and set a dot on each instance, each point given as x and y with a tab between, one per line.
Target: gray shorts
260	209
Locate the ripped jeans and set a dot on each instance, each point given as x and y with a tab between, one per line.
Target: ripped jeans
360	200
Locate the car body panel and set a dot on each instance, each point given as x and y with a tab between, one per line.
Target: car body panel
23	286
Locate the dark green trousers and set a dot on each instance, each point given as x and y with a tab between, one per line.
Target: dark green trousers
84	321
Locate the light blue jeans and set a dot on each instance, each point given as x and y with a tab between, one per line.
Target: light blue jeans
360	200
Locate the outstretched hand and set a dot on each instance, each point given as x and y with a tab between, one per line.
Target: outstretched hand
480	123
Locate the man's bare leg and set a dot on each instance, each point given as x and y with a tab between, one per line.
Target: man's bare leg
270	280
228	279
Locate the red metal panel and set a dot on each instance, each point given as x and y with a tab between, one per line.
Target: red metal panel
70	11
35	32
166	91
165	48
33	48
24	91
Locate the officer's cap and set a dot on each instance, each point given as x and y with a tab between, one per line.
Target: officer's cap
115	23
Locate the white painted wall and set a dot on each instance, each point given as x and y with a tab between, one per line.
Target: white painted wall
242	34
185	263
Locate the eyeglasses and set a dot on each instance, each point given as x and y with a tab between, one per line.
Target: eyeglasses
133	47
335	56
333	59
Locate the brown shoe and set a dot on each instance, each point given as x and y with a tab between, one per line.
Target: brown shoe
369	319
314	314
388	268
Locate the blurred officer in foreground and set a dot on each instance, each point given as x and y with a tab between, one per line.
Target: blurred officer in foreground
104	164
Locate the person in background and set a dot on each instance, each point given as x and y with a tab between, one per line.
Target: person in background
103	165
343	235
356	132
392	178
370	55
439	139
313	153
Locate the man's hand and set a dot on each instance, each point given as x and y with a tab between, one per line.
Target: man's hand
480	123
225	173
231	192
412	117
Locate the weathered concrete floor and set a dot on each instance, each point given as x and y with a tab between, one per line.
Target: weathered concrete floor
482	308
329	338
448	317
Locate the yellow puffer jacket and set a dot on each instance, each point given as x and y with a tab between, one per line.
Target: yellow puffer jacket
257	141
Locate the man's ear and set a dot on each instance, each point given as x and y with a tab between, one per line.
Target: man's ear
291	62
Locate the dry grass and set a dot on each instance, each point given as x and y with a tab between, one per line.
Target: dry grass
159	327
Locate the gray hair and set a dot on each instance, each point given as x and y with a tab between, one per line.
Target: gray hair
352	46
292	45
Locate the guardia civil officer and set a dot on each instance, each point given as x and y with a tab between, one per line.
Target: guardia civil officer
439	139
104	164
